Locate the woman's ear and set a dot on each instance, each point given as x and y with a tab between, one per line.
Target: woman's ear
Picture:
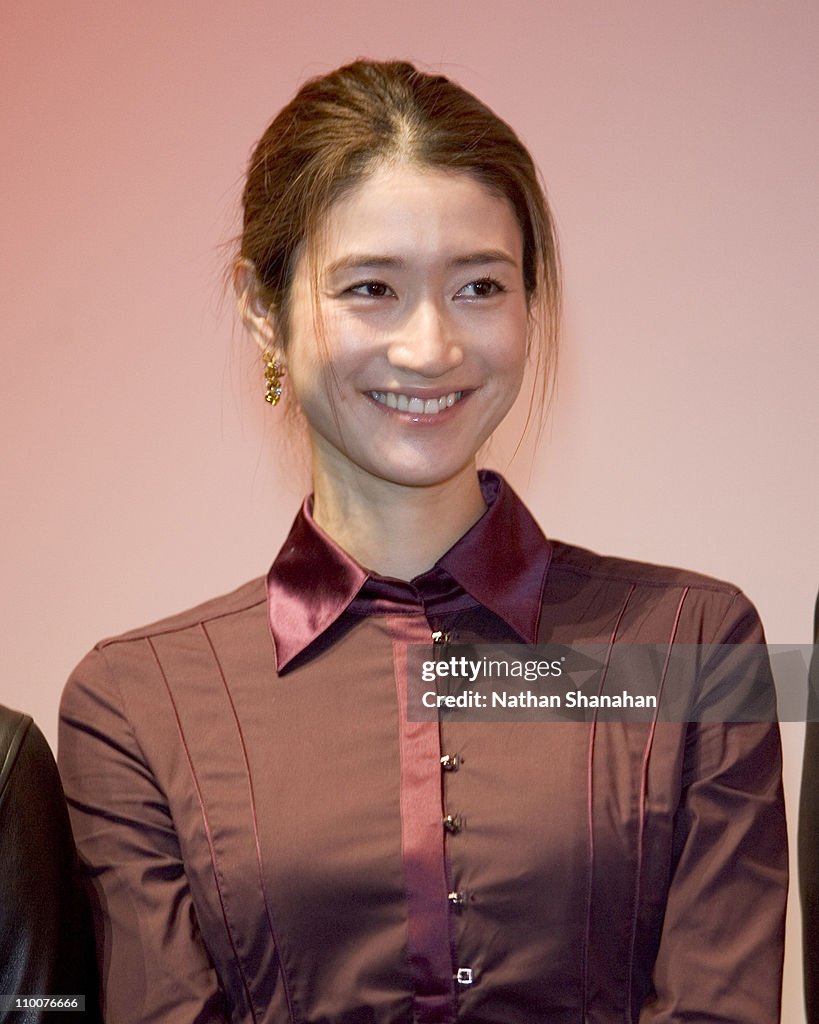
254	312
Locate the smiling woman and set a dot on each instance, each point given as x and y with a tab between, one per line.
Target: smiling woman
419	354
270	834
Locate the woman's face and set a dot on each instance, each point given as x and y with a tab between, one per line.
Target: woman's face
422	335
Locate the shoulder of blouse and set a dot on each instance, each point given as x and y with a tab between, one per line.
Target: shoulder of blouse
567	558
696	608
249	595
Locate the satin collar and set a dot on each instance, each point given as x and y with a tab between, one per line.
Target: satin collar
501	562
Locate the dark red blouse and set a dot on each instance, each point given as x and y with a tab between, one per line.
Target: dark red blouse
272	840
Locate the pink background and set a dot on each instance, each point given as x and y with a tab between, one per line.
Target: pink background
141	470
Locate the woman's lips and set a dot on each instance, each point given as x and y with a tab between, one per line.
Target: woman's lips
413	404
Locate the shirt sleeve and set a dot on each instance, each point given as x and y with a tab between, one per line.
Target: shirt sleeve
722	943
154	965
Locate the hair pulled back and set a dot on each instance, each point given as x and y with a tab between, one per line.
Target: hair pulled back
339	127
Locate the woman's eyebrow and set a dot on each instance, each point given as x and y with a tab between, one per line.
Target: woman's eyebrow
361	260
486	256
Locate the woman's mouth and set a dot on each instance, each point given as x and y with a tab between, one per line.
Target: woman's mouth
413	404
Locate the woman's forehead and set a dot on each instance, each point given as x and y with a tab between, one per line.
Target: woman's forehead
404	213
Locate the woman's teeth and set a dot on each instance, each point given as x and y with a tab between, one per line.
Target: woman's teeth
427	406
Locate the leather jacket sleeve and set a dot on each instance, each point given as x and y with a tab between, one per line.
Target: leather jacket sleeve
46	942
809	839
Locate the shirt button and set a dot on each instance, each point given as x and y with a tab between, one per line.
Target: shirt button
450	762
440	637
453	823
458	898
464	976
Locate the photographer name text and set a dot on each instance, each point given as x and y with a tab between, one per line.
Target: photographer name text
528	699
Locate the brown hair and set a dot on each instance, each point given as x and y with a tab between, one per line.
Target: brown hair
341	125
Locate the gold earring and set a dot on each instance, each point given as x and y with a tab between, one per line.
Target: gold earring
273	373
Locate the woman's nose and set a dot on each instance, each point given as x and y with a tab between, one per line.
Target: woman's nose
427	342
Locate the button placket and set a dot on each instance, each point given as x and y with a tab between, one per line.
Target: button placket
452	823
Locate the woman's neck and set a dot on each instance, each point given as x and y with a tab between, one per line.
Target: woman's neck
397	530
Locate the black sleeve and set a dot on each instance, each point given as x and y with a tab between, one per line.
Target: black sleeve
46	941
809	839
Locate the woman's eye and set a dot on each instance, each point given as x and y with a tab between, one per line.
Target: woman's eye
481	289
371	289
